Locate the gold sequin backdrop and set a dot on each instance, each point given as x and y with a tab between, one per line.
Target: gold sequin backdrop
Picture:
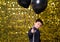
15	21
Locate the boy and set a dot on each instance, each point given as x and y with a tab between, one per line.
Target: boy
34	33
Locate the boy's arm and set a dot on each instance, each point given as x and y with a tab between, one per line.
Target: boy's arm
30	34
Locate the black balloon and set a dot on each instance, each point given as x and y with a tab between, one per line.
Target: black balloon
39	5
24	3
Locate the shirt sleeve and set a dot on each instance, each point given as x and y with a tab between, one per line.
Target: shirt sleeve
30	35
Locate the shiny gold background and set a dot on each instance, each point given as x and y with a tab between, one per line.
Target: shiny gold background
15	21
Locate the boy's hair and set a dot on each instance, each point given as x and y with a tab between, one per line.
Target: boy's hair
39	20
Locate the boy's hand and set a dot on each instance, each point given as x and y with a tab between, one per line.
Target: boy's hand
32	30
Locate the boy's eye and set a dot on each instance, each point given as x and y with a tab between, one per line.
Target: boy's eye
38	24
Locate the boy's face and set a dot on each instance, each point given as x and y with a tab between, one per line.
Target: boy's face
37	24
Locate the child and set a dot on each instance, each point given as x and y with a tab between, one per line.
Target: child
34	33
